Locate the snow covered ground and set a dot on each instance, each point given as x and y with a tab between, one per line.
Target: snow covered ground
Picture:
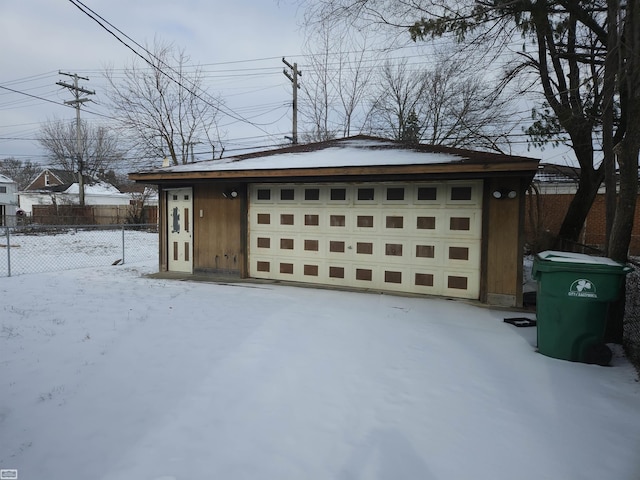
106	374
51	249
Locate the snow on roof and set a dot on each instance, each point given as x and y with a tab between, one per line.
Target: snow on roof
100	188
350	153
5	179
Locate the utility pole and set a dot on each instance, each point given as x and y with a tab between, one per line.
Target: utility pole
293	76
77	102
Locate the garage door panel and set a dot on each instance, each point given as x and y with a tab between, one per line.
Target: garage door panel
463	193
428	251
463	223
419	238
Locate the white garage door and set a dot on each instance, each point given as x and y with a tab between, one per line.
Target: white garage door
419	238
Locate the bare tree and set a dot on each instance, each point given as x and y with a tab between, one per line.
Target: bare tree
334	86
100	146
446	103
21	172
317	93
400	91
162	106
563	48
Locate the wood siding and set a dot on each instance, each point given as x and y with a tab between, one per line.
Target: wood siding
502	263
219	230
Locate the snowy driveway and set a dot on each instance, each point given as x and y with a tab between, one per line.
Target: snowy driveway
108	375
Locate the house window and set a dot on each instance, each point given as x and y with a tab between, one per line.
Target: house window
459	283
337	220
364	274
392	277
458	253
425	251
313	220
425	279
338	194
426	223
336	272
3	189
336	246
286	219
461	193
264	194
393	249
46	179
287	194
394	222
366	193
395	193
459	223
311	270
311	245
364	248
427	193
286	243
312	194
286	268
365	221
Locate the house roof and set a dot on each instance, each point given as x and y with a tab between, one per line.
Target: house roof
63	178
63	175
349	157
5	179
96	188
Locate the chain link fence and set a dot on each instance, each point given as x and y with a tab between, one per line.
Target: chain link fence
46	248
631	337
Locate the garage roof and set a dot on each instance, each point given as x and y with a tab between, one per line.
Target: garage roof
348	157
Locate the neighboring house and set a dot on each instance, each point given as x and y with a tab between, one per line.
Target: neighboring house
359	212
553	188
8	201
57	187
52	178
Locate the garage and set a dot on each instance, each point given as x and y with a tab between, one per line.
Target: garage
359	212
410	237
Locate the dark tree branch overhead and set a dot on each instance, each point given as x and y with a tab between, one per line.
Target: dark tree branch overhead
570	39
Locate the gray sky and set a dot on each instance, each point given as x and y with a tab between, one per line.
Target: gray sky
241	44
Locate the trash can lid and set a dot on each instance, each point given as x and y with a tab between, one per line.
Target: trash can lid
571	257
551	260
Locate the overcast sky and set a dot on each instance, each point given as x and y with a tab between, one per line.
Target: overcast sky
241	43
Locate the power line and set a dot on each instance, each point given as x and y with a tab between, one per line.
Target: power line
83	8
32	96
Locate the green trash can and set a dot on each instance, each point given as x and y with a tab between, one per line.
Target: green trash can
574	293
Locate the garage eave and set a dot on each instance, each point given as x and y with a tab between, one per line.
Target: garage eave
478	170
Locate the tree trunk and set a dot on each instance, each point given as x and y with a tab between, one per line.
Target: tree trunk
627	152
579	209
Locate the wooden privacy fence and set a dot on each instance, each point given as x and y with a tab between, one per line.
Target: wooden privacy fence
93	214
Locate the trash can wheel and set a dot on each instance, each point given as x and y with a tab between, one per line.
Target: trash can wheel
598	354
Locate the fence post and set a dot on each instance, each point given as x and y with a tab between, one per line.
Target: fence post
8	252
123	244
